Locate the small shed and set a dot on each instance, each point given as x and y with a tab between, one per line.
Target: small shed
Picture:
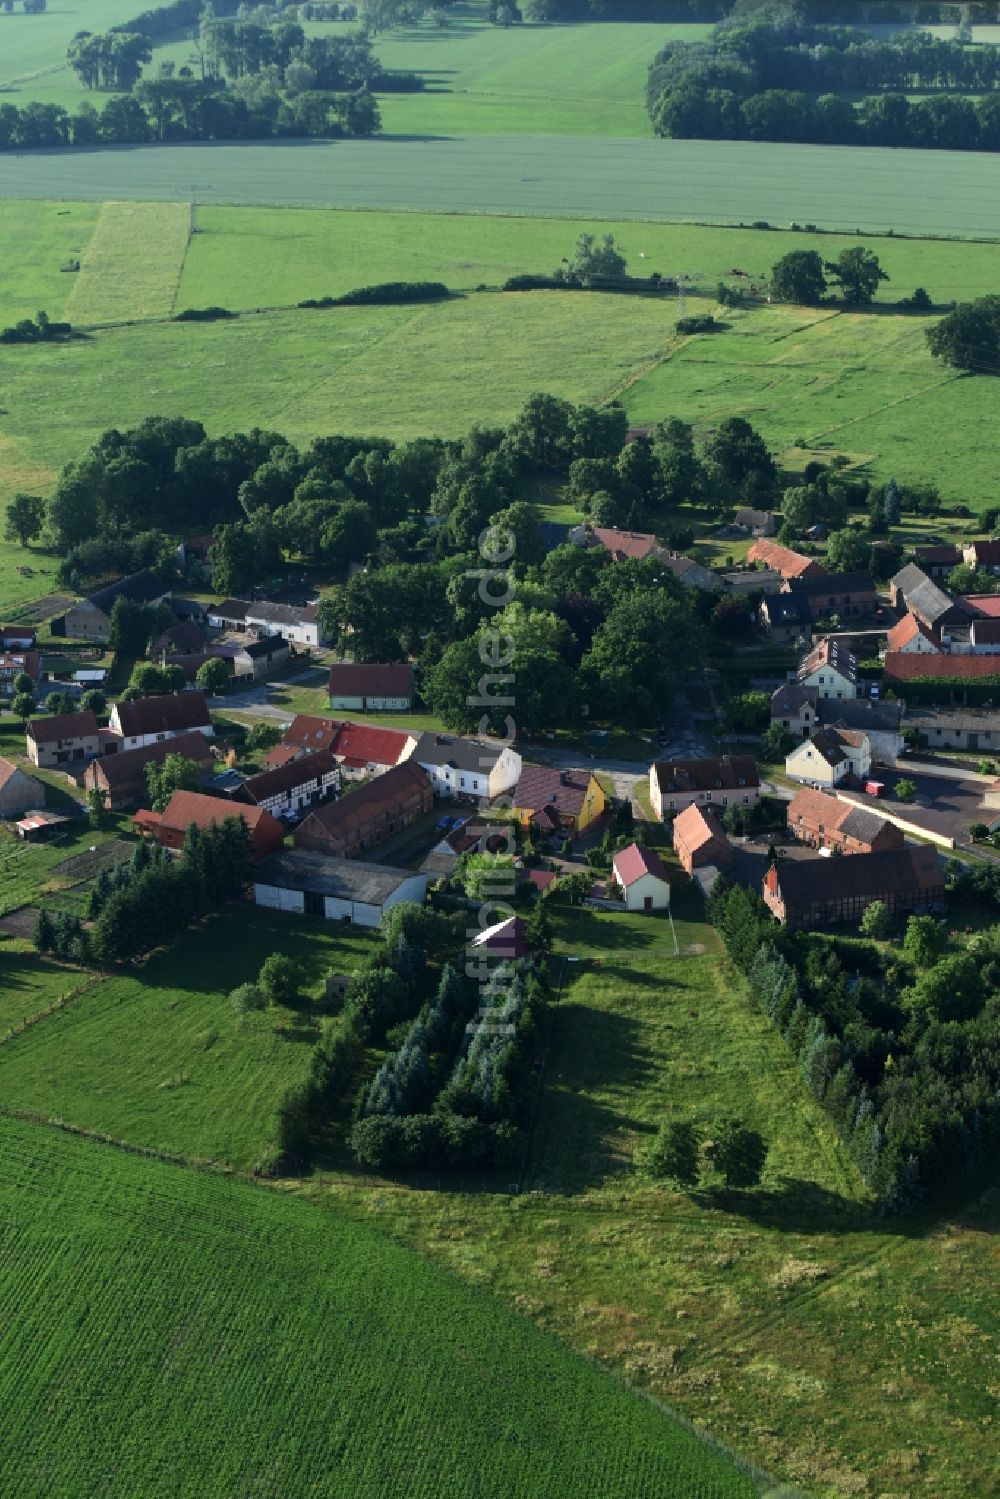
643	879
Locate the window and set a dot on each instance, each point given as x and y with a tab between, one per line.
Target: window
725	801
708	796
461	781
671	804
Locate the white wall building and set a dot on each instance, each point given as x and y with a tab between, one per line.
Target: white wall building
479	768
313	884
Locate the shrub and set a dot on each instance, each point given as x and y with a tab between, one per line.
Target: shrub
701	323
203	314
396	291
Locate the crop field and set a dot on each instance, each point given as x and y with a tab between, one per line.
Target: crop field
28	868
132	265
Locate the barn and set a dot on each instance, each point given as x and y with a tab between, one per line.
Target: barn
340	889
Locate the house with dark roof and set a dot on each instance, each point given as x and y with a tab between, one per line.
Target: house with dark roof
956	728
717	782
121	775
18	637
642	878
982	554
880	721
823	821
937	561
371	687
984	637
750	580
90	619
555	800
184	638
19	792
830	757
297	623
230	614
699	839
842	594
259	658
786	617
476	768
150	720
755	522
810	893
911	589
61	739
788	563
287	790
361	819
831	669
313	884
795	708
185	808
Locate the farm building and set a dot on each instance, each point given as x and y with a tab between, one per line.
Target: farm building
374	687
912	636
729	780
362	819
699	839
901	667
830	757
19	792
254	659
122	774
476	768
823	821
337	889
836	593
956	728
642	878
824	892
292	787
297	623
911	589
90	619
788	563
62	739
566	801
937	561
186	807
151	720
879	721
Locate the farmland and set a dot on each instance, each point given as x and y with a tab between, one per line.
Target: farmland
206	1338
33	48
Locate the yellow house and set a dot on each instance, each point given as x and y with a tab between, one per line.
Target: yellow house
566	801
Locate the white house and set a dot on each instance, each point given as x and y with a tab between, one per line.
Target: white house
150	720
298	624
830	757
642	878
831	670
913	637
313	884
479	768
294	786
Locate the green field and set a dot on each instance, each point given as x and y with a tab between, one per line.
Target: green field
33	48
196	1083
173	1333
132	265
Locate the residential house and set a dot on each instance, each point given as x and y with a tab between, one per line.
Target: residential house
830	757
984	637
372	687
122	775
912	636
184	638
19	792
788	563
626	545
505	941
12	664
287	790
150	720
297	623
899	667
729	780
62	739
337	889
840	594
824	821
786	617
687	571
170	826
362	819
699	839
831	670
808	893
956	728
364	750
259	658
983	555
937	561
231	614
18	637
557	801
90	619
478	768
880	721
911	589
749	580
642	878
795	708
755	522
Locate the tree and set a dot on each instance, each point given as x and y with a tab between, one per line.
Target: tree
798	277
593	263
969	337
952	990
775	742
94	701
247	999
906	790
261	737
858	274
674	1154
736	1152
212	676
848	551
280	979
876	921
22	706
175	773
24	519
737	459
96	809
648	644
924	941
58	702
131	626
488	876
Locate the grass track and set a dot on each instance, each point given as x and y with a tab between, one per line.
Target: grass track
174	1333
133	263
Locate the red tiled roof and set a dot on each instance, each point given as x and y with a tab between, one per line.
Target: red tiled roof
621	544
281	754
903	666
696	826
186	807
308	731
358	807
986	605
635	861
7	769
788	563
370	745
908	629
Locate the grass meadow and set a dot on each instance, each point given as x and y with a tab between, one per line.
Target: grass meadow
132	265
33	48
175	1333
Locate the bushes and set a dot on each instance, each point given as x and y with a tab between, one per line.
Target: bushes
702	323
203	315
27	331
395	291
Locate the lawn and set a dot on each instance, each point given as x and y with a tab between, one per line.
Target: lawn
33	48
28	870
171	1332
132	266
196	1083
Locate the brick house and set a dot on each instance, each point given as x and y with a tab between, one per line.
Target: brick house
788	563
809	893
361	750
830	757
13	663
19	793
122	775
186	807
836	593
699	840
371	687
824	821
718	782
364	818
292	787
151	720
61	739
556	800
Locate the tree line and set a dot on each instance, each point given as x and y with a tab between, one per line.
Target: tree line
788	81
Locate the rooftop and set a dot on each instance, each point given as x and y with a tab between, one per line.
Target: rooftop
477	755
728	773
544	786
343	879
82	725
634	862
141	588
810	881
158	715
907	666
696	826
129	765
371	679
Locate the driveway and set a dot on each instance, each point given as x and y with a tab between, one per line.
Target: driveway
941	805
